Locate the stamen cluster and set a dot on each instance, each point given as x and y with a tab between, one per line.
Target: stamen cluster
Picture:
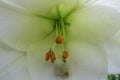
50	54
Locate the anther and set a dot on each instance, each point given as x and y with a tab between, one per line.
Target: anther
48	55
53	57
65	55
66	74
59	39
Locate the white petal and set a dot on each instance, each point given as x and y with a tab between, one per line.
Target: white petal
113	3
10	5
44	6
113	50
36	6
86	62
20	30
89	61
95	23
12	64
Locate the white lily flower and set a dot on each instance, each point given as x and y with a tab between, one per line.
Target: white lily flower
81	28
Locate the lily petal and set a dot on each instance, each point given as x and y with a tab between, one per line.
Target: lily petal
113	3
20	30
95	23
113	52
86	62
43	7
38	6
34	6
12	63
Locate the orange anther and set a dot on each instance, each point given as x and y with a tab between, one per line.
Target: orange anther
65	54
48	55
66	74
53	57
59	40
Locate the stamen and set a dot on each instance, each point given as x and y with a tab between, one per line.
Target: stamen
53	57
48	55
65	55
59	39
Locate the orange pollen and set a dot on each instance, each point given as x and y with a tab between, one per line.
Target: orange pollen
65	55
53	57
66	74
48	55
59	40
